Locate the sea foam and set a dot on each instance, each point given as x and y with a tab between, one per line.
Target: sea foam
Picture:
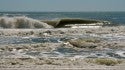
21	22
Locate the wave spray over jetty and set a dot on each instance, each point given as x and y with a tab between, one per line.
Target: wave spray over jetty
21	22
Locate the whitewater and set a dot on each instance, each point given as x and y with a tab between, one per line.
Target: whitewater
21	22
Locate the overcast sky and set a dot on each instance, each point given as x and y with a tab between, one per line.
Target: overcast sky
62	5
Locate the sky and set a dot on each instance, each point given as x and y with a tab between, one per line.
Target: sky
62	5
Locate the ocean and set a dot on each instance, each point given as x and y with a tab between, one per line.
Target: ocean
113	17
61	42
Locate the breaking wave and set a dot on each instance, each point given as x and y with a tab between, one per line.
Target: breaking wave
21	22
69	22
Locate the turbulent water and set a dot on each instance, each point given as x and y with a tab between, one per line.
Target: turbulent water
33	20
114	17
62	51
21	22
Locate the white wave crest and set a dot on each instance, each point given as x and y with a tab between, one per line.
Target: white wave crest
21	22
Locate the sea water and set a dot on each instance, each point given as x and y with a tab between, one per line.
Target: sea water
113	17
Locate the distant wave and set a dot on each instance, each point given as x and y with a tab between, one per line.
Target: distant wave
21	22
13	14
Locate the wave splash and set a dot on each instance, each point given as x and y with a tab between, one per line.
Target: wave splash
21	22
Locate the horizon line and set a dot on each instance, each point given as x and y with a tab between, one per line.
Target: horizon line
62	11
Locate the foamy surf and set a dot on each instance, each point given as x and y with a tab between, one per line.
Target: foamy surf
21	22
86	26
121	53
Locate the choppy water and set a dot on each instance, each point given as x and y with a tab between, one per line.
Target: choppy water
31	40
114	17
68	52
65	52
